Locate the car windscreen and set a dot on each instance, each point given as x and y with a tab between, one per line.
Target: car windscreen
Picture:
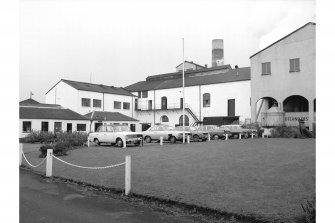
121	128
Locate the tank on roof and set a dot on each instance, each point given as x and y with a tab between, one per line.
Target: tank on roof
217	52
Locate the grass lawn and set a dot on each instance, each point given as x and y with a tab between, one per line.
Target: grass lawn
261	177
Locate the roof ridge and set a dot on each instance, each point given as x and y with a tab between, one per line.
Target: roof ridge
91	83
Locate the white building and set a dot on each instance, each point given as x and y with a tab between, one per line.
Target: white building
86	97
217	95
284	74
35	116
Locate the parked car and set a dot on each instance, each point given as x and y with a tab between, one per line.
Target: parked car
197	134
236	130
115	134
167	132
214	131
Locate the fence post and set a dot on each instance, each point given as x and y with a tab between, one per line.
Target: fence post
240	136
88	141
161	140
226	136
252	135
21	153
124	143
188	139
209	137
48	171
128	175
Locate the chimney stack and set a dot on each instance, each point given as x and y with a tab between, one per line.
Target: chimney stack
217	52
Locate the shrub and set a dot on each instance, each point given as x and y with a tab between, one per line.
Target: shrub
59	148
309	210
284	131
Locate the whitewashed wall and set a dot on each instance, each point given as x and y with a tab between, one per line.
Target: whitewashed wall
64	95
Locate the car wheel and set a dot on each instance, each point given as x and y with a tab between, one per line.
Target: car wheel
173	139
215	137
196	138
148	139
119	142
96	141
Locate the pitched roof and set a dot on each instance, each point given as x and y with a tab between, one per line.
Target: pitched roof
310	23
95	88
32	103
109	116
191	63
49	113
239	74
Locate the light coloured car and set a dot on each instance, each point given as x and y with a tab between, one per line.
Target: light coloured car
214	131
236	130
115	135
167	132
197	134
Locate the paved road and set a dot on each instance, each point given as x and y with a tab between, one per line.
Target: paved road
44	201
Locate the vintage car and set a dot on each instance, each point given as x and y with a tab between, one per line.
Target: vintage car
197	134
214	131
167	132
115	134
236	130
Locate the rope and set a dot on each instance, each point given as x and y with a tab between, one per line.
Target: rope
32	164
93	168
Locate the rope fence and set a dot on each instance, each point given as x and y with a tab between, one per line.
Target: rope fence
50	156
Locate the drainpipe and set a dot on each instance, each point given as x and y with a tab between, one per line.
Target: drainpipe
103	101
154	107
200	103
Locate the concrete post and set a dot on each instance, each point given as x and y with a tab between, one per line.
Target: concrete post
188	139
21	153
252	135
209	137
128	175
240	136
124	143
88	141
226	136
161	141
48	171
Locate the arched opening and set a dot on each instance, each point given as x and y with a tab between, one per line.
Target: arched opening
187	121
295	103
264	104
206	100
164	118
164	103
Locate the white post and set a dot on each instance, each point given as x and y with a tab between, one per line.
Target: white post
240	136
226	136
128	175
252	135
263	135
188	139
88	141
209	137
161	141
48	171
124	143
21	153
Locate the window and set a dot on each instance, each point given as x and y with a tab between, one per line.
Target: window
58	127
231	107
295	65
26	127
81	127
266	68
144	94
96	103
126	105
45	126
117	105
187	122
139	94
163	103
206	100
165	118
86	102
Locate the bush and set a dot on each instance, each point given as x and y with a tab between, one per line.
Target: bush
39	136
286	132
310	212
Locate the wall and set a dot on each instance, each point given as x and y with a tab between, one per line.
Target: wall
109	103
36	125
282	83
66	96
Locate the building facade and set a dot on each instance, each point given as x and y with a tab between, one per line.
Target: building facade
283	74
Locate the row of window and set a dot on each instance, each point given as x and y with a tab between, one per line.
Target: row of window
294	66
86	102
26	127
142	94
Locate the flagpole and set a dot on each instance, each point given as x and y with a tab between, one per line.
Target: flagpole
183	95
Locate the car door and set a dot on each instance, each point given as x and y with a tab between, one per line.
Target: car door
101	134
162	132
109	134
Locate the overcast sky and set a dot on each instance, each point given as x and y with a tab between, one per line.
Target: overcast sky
122	42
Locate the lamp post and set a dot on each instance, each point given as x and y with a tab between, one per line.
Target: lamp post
183	95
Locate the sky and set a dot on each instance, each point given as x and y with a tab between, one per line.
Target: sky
119	43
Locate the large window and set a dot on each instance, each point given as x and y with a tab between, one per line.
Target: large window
81	127
96	103
26	127
58	127
187	121
117	105
86	102
266	68
206	100
294	65
144	94
126	105
45	126
164	118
